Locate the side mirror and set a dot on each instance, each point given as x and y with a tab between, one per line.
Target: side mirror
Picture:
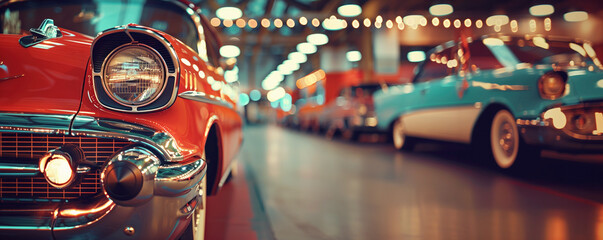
228	63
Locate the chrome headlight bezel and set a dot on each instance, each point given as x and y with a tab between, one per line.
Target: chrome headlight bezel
121	49
107	42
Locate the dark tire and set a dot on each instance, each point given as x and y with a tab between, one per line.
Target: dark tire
399	139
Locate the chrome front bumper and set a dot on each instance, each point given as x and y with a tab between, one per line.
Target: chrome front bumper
574	128
162	216
165	214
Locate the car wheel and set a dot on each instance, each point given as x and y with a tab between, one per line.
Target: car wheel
505	142
196	229
400	140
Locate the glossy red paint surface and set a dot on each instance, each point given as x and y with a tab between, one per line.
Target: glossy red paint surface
45	78
57	77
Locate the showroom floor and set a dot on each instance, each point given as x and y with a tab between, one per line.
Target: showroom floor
293	185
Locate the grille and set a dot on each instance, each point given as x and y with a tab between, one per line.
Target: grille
28	148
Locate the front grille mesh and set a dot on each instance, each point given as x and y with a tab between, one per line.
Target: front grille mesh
28	148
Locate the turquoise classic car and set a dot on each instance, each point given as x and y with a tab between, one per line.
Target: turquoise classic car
508	96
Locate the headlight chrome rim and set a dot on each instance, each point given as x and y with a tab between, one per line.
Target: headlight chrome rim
57	156
164	74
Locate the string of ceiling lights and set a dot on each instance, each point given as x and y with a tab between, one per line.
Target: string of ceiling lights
234	18
413	21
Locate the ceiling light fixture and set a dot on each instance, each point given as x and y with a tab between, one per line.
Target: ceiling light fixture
497	20
317	39
229	13
353	56
298	57
306	48
230	51
441	9
333	24
415	56
575	16
349	10
542	10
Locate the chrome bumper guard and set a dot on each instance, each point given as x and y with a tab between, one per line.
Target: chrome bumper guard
567	128
171	182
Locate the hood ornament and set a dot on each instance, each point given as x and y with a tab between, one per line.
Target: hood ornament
47	30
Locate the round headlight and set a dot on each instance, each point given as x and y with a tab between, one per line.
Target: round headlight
551	85
134	75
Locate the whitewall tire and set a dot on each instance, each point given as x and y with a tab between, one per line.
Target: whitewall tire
399	138
504	139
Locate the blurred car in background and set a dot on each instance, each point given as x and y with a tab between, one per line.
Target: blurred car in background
352	113
118	136
508	96
308	117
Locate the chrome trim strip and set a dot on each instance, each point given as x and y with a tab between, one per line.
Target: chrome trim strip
17	170
534	122
202	97
12	77
127	29
160	141
35	123
48	215
79	215
227	173
501	87
178	179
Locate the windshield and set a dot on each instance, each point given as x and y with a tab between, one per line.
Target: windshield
93	16
535	51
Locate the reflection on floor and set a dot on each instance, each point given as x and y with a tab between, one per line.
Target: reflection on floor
303	186
235	212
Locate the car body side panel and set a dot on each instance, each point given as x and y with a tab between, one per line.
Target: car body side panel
453	124
518	90
393	102
585	85
203	78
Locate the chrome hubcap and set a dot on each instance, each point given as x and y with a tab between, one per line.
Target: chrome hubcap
398	135
506	139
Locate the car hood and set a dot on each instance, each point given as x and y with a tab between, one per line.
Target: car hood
44	79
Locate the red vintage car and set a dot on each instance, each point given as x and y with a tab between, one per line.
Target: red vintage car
116	136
